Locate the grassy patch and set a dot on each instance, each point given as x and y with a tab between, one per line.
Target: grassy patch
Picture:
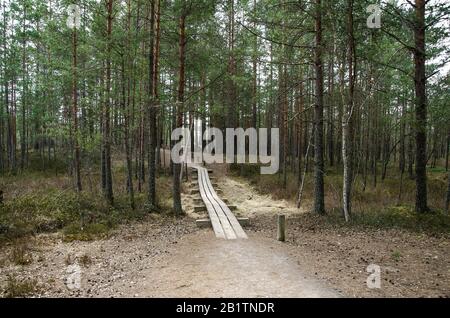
89	232
20	255
378	206
42	203
85	260
16	288
396	255
400	217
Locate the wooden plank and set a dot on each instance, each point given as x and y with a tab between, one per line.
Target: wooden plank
239	232
223	221
214	211
230	216
217	226
227	226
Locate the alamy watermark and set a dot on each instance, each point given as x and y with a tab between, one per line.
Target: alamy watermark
374	279
74	16
374	19
235	142
73	278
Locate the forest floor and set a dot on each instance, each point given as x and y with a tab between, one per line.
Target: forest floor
160	256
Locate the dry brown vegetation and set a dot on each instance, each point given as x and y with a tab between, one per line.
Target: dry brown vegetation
42	201
375	206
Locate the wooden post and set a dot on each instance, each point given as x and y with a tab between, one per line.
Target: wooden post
281	228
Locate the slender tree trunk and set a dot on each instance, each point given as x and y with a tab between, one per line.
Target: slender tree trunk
126	111
24	92
447	150
347	119
178	210
6	86
154	107
255	78
421	108
76	145
330	113
410	154
231	111
126	115
402	159
299	121
319	195
447	201
107	129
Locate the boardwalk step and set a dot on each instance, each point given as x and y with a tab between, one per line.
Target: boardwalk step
222	220
207	222
195	178
198	201
194	172
200	208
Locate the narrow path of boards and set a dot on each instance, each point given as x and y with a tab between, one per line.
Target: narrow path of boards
224	223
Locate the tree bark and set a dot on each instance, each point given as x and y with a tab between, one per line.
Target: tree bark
154	107
178	210
319	195
347	119
107	120
421	108
76	145
447	201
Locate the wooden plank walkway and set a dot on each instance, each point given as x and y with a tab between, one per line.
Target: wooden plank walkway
223	221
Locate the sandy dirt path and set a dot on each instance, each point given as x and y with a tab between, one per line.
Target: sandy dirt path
204	266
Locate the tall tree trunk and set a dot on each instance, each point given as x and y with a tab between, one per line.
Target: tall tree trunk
347	119
447	150
76	145
5	83
402	159
126	115
447	201
23	142
255	77
299	122
178	210
107	120
421	107
330	113
126	110
319	195
231	111
154	107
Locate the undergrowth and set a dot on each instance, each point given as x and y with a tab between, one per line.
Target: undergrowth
37	202
375	206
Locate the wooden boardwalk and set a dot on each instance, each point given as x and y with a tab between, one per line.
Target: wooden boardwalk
223	221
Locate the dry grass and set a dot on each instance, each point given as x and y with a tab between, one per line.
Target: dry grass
16	288
42	201
377	206
20	254
70	259
85	260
